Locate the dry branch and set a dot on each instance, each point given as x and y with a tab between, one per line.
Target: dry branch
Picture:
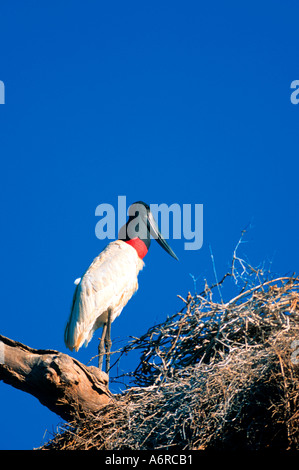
63	384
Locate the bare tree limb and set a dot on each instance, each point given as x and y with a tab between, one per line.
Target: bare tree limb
61	383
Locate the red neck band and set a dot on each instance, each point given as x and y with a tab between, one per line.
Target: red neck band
139	246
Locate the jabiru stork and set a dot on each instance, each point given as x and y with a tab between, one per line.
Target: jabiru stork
111	280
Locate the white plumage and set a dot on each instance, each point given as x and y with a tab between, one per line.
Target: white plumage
108	283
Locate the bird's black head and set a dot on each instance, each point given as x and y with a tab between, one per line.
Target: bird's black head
142	225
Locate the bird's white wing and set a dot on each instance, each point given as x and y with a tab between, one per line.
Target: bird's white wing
109	282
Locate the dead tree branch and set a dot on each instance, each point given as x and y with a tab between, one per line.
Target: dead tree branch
61	383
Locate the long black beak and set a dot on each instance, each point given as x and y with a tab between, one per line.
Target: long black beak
157	235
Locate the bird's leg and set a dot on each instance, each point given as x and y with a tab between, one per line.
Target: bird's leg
108	341
101	348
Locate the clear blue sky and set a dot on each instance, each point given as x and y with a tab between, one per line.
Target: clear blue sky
174	102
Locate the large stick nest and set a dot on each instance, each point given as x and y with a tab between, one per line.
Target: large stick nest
216	375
